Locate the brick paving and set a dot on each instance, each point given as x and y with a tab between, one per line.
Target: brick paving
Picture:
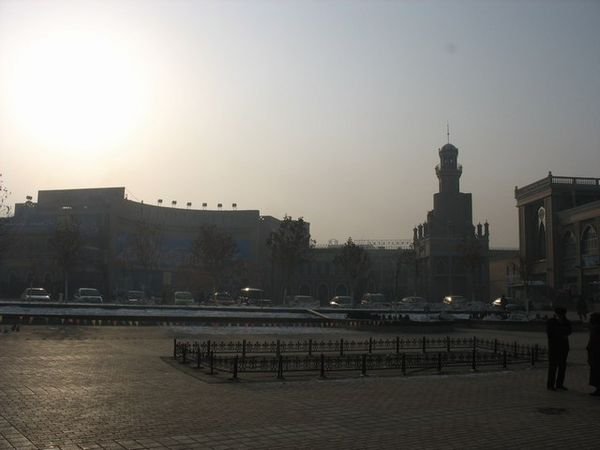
108	388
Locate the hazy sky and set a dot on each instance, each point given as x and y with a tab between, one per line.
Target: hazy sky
330	110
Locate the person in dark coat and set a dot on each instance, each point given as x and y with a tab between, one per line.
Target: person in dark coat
558	329
593	349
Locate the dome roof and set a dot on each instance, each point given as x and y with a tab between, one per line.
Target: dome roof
448	148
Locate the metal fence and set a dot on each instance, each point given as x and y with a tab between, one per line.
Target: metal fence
407	355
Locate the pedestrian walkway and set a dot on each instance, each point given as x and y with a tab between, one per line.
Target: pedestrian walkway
84	387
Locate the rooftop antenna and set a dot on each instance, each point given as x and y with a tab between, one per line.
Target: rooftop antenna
448	131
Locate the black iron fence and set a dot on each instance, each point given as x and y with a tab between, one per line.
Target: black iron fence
407	355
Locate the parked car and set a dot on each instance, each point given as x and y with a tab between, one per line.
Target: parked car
35	295
375	301
222	299
508	304
501	302
183	298
135	298
455	301
87	295
412	302
253	297
341	301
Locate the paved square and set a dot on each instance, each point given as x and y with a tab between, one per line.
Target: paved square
107	387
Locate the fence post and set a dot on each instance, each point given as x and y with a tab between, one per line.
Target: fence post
342	347
515	349
439	363
280	367
424	344
397	345
495	345
504	359
183	353
244	348
537	349
310	347
277	352
363	371
474	360
474	342
322	365
174	348
532	351
370	345
235	368
198	356
208	347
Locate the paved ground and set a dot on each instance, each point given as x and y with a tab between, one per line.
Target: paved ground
105	387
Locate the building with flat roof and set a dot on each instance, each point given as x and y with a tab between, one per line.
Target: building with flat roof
125	244
559	221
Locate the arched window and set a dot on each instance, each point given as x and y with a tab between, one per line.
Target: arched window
589	242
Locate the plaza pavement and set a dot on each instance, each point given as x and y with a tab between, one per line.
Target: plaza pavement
107	387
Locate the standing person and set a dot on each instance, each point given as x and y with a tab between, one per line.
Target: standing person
582	309
558	329
593	349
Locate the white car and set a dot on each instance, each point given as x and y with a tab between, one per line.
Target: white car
183	298
412	302
87	295
455	301
341	301
35	295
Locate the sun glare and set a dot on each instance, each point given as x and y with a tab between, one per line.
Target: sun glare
77	91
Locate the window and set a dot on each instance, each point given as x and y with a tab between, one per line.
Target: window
589	241
589	248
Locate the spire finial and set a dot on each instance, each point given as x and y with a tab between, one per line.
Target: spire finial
448	131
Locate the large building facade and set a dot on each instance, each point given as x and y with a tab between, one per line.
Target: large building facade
125	244
391	272
559	222
451	253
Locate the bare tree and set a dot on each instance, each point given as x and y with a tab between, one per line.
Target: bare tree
355	263
215	250
290	246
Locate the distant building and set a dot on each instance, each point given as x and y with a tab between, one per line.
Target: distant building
125	244
559	222
391	271
451	253
504	272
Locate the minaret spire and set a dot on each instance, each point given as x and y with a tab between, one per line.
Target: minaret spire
448	130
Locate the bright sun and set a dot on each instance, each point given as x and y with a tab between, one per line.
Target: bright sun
77	90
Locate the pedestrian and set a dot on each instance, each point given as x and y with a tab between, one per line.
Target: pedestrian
593	349
558	329
582	309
